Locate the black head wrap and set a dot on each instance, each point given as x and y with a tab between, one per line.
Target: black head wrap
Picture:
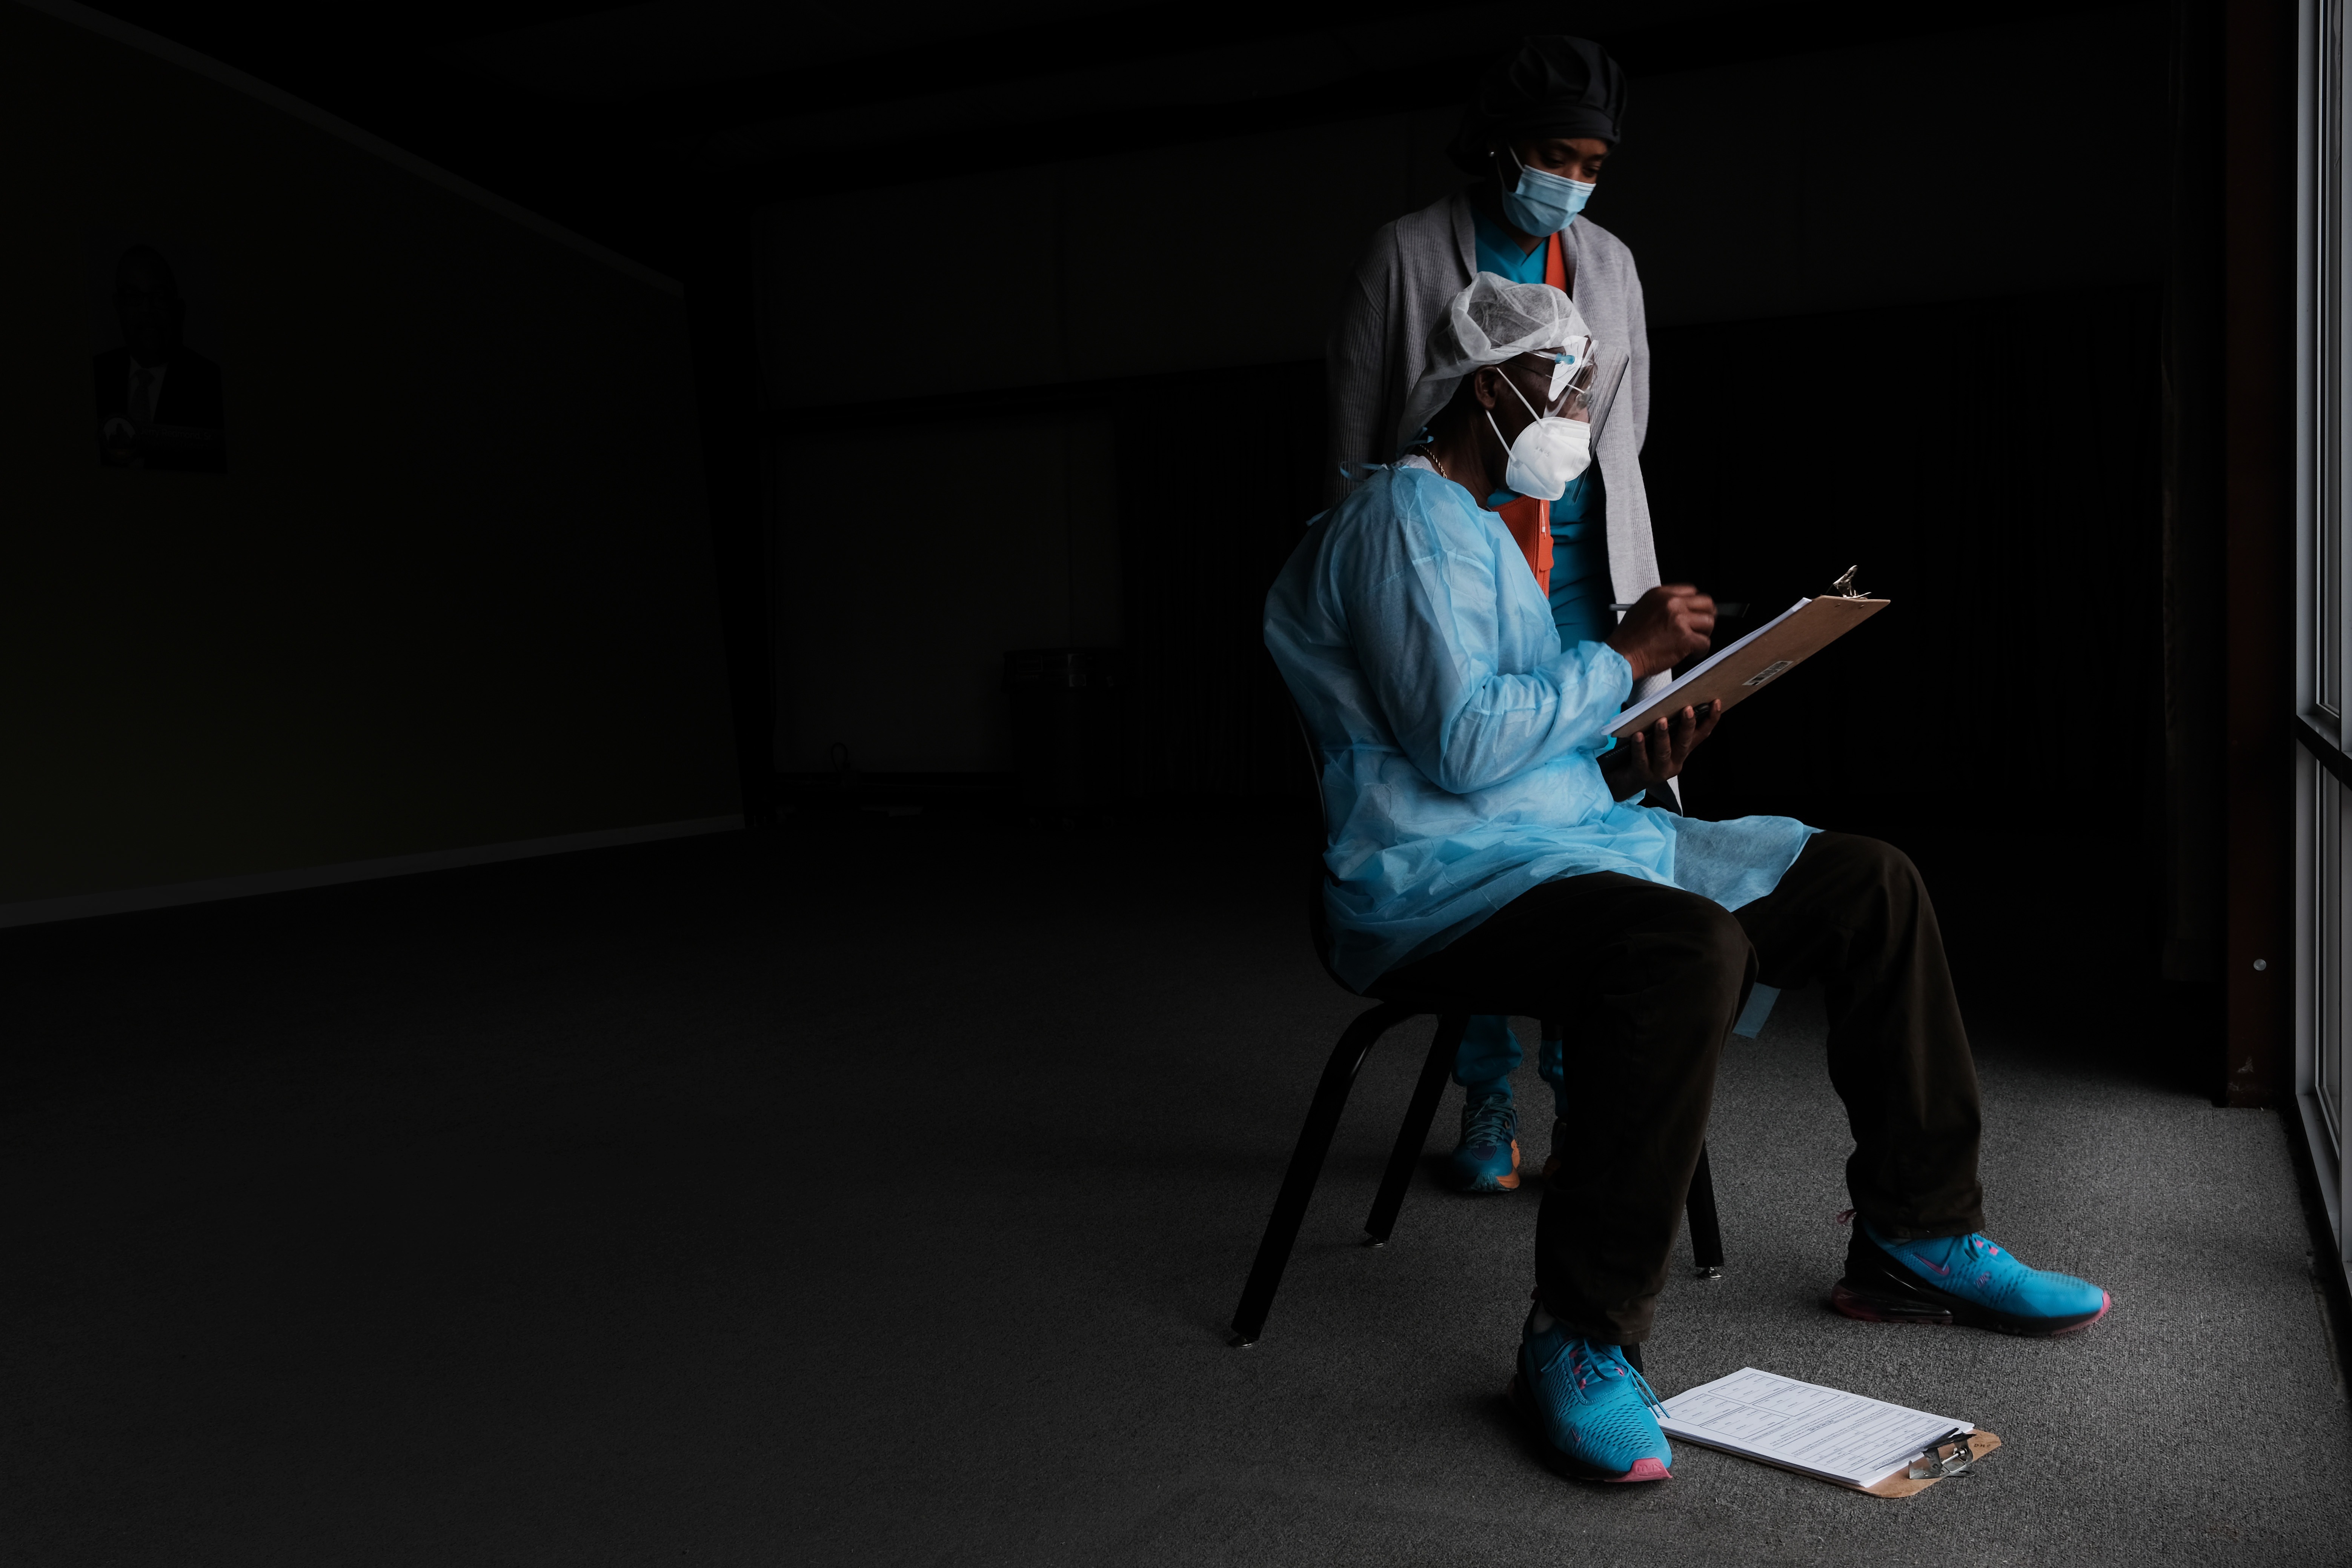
1550	86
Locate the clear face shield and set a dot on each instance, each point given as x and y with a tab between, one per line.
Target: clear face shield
1573	373
1584	379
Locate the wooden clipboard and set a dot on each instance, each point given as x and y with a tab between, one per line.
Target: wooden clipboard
1899	1484
1739	672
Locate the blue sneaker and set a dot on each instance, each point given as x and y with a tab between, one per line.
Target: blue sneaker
1486	1159
1591	1410
1960	1279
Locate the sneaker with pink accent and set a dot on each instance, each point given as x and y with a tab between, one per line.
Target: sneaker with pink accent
1590	1411
1960	1279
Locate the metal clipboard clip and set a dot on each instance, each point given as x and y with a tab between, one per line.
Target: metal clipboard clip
1844	588
1936	1464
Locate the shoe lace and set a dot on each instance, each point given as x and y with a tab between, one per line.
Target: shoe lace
1492	1118
1979	1248
1976	1245
1588	1363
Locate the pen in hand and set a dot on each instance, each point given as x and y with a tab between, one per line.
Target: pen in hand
1724	607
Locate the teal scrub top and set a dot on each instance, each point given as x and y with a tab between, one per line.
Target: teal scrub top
1500	254
1579	563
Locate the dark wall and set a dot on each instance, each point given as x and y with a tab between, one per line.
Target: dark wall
1993	466
1206	538
1767	203
455	586
900	597
1992	161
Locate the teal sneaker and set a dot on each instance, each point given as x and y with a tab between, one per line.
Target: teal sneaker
1486	1159
1960	1279
1593	1413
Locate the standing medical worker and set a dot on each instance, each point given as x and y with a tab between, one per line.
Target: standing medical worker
1533	142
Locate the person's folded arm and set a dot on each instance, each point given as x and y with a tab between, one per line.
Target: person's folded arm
1426	632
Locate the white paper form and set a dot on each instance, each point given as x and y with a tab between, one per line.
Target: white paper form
1690	677
1823	1432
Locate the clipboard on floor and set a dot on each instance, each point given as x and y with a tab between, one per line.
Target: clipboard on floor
1733	674
1850	1440
1947	1463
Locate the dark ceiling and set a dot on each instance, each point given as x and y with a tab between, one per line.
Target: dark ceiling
621	121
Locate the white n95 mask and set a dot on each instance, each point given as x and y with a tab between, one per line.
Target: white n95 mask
1548	454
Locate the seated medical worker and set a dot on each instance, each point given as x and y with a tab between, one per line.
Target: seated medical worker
1483	848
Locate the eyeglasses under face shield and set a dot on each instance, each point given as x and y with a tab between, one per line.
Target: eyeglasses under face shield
1570	394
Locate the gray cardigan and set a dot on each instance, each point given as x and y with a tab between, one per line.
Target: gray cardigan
1413	268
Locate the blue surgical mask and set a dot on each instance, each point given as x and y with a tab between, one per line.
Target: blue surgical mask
1544	204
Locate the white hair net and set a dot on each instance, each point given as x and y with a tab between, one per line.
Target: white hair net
1492	320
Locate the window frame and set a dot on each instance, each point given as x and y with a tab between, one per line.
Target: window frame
2323	534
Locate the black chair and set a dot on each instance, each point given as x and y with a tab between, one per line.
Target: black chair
1348	1058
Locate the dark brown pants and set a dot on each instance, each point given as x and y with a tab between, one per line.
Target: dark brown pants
1647	981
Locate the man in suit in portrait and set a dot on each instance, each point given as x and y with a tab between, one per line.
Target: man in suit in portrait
159	405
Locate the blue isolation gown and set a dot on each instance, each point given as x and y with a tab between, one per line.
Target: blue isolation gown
1489	1053
1459	737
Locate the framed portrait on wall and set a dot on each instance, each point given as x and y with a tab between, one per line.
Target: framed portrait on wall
155	365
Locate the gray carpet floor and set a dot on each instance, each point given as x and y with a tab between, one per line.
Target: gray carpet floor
877	1191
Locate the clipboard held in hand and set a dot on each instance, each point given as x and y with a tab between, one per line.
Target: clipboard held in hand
1737	672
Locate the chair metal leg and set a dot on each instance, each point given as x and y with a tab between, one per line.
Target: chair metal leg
1306	1165
1707	1231
1414	1136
